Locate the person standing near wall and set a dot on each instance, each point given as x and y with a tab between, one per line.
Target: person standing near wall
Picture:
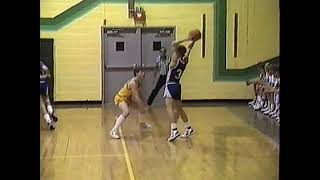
45	104
162	62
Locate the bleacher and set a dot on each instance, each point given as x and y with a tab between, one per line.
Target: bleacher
267	91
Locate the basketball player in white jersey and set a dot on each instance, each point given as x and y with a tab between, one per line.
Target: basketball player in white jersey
260	103
172	94
256	82
270	91
275	94
46	107
267	91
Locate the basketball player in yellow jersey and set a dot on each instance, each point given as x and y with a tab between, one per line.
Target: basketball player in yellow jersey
129	94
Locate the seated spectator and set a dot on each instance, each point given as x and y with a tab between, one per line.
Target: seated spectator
261	99
267	90
270	91
255	82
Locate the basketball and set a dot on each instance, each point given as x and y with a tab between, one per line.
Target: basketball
195	35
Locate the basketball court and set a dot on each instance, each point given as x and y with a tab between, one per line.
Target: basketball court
225	146
93	55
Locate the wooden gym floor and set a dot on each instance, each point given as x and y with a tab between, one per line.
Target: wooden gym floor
226	146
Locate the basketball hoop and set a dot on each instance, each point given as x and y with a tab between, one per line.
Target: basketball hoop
139	16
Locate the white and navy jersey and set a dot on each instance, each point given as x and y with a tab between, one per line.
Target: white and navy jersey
276	83
265	77
261	76
162	63
271	80
268	79
43	68
174	74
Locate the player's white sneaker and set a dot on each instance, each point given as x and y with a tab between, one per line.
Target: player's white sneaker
252	103
173	135
114	134
188	132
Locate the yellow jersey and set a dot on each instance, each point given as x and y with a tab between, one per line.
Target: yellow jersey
124	94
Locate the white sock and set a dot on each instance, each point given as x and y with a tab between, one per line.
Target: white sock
269	104
272	106
261	102
258	98
277	101
47	118
173	126
50	109
119	121
277	98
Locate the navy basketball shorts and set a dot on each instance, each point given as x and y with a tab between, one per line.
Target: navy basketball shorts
173	90
44	87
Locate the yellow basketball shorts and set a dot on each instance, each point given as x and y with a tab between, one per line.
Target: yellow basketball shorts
118	99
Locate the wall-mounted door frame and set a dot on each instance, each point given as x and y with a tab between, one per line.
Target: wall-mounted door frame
103	54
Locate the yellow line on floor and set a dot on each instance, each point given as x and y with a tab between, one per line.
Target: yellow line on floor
126	155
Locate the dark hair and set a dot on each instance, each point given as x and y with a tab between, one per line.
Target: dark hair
276	68
137	69
181	50
260	66
267	65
